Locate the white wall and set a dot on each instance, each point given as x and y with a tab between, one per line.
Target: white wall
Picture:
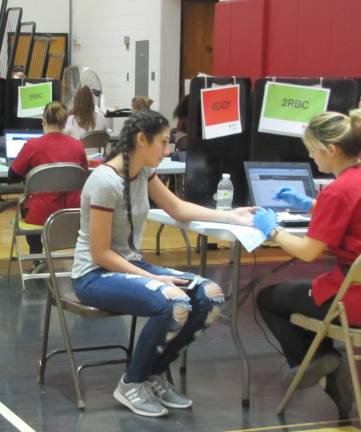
50	15
99	28
99	44
169	56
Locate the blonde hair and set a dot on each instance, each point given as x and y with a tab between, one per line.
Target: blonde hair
55	114
140	103
335	128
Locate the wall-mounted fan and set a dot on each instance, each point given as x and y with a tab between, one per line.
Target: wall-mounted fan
75	77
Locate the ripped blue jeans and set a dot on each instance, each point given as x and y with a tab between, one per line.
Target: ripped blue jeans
164	334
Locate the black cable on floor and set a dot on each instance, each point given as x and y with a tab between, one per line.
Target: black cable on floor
256	318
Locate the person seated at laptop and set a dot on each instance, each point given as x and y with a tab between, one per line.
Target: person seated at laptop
18	73
141	103
181	113
84	118
334	143
52	147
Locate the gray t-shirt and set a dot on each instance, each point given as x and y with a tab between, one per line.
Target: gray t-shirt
104	189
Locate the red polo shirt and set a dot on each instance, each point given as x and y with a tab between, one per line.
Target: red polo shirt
50	148
336	221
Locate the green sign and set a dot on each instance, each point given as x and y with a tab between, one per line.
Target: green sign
294	103
35	96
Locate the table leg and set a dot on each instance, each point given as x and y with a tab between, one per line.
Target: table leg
234	323
203	255
188	247
157	239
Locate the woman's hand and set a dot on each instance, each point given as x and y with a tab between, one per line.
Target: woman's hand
293	198
242	215
265	220
171	280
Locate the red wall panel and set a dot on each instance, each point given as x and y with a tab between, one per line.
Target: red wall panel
288	38
235	22
346	40
222	40
314	36
281	37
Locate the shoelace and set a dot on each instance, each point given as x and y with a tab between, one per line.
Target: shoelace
163	383
145	390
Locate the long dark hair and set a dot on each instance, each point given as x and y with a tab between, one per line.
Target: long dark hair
84	108
150	123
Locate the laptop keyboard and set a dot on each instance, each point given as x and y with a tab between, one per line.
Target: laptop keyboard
293	219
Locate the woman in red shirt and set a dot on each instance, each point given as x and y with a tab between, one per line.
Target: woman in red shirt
334	142
52	147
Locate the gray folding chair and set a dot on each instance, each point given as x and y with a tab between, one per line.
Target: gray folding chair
60	233
335	326
56	177
97	139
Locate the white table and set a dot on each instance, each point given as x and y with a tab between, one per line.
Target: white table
237	295
4	171
167	166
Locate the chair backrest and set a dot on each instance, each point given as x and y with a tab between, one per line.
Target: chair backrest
60	233
61	230
95	138
353	277
55	177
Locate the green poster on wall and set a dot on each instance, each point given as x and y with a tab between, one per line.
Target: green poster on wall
288	108
32	99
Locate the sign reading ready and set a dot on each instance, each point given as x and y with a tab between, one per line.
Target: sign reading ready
33	98
287	108
220	111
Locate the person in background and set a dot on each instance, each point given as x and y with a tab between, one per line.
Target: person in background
109	271
52	147
18	73
181	113
334	143
140	103
84	118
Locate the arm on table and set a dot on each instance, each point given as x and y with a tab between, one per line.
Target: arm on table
304	248
184	211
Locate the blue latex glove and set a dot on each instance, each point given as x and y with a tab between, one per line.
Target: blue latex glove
265	220
293	198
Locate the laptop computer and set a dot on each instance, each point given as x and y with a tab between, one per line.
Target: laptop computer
15	139
264	178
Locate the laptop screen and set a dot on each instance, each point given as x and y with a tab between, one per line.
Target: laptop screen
15	139
264	178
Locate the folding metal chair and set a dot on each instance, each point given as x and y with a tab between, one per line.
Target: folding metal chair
96	139
60	233
340	331
56	177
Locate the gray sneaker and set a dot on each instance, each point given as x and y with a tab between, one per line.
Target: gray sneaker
339	388
139	398
318	368
167	393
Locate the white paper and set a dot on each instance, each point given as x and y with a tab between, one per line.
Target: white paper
249	237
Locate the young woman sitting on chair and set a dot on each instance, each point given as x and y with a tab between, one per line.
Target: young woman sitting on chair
84	118
109	271
334	143
52	147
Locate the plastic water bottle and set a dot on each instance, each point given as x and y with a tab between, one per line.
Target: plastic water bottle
225	193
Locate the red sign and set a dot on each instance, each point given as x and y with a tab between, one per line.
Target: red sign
220	111
221	105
